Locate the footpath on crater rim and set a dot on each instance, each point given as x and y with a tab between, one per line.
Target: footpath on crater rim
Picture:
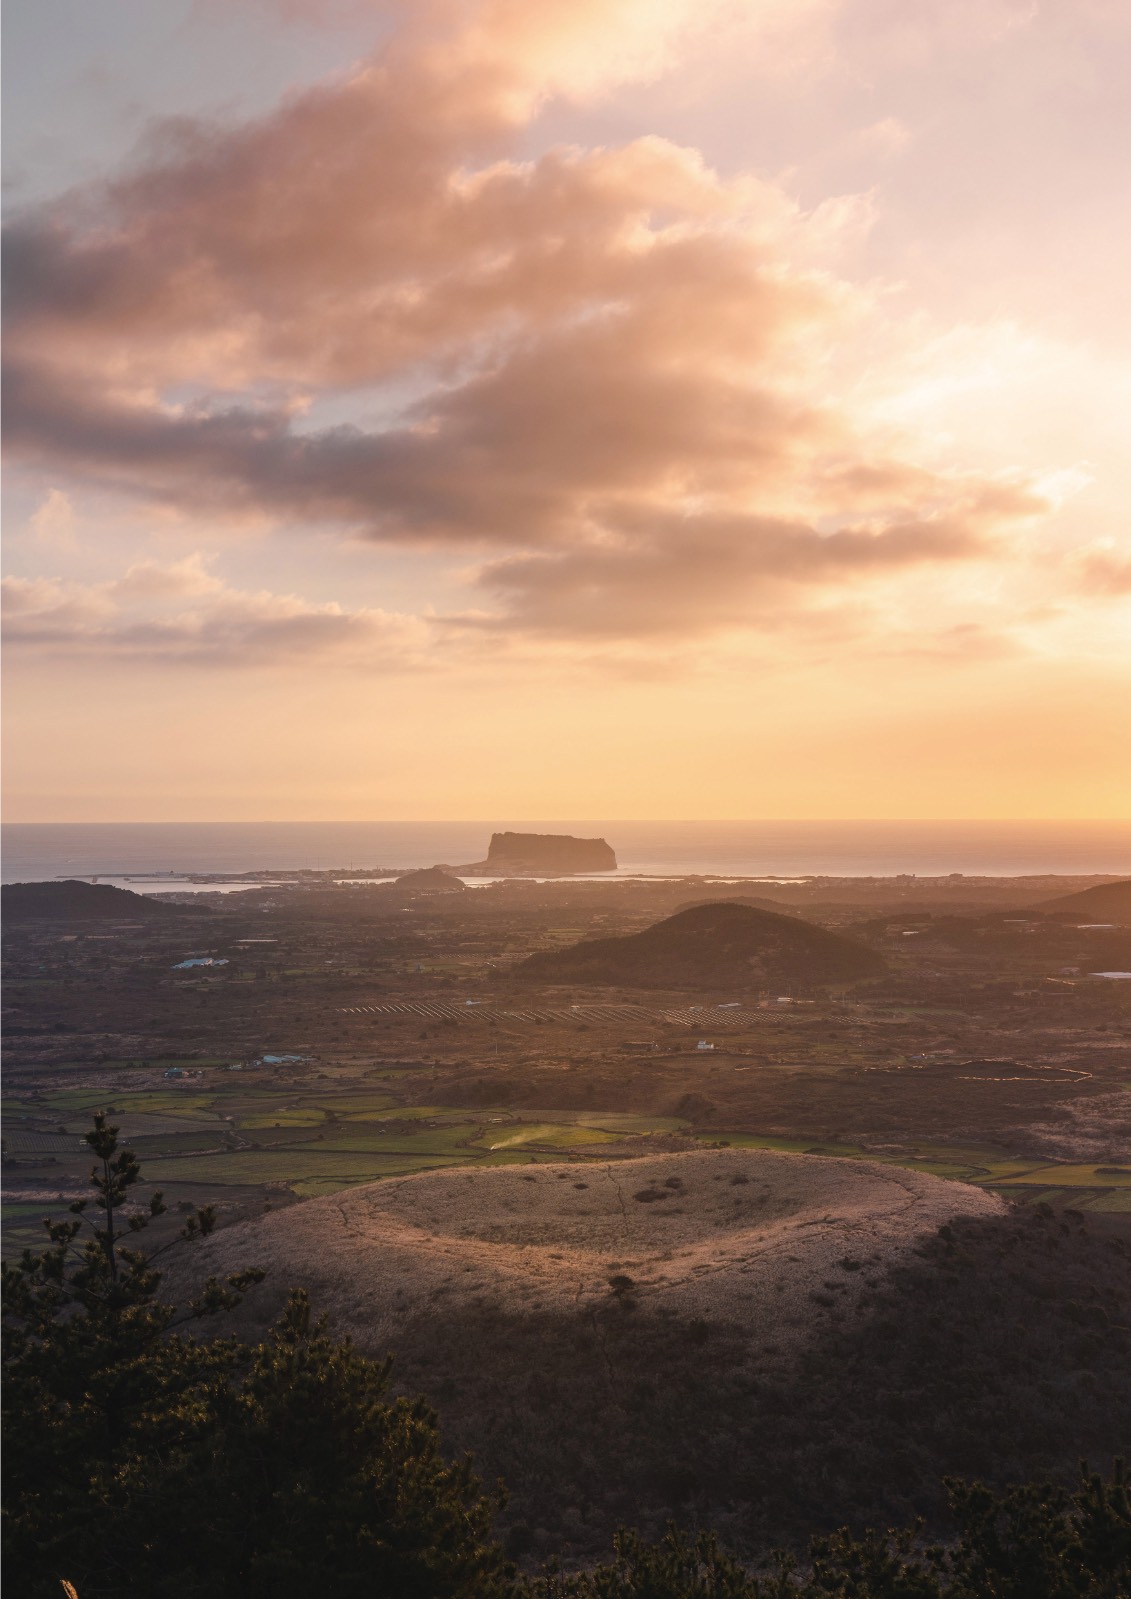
724	1234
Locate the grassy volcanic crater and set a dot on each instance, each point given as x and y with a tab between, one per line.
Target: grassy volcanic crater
740	1234
762	1342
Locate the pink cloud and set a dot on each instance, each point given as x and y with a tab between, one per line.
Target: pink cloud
180	614
618	356
1104	570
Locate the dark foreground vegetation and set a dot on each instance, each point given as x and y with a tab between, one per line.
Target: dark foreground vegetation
141	1460
145	1458
1003	1352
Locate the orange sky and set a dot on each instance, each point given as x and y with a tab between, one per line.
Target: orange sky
622	407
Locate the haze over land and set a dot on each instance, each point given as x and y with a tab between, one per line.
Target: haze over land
606	1161
711	946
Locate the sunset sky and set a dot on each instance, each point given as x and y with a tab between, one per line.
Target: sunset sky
568	407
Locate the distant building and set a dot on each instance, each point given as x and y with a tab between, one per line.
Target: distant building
200	960
703	1044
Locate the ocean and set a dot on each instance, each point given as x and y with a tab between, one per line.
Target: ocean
115	851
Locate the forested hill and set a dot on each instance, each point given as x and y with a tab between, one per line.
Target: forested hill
712	946
1106	902
75	901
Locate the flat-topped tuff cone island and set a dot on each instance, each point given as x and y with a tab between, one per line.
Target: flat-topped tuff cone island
549	854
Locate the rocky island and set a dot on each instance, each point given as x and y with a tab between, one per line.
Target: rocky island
549	854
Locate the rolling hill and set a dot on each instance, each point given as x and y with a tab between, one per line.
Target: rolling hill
1107	902
75	902
715	946
710	1233
430	880
760	1342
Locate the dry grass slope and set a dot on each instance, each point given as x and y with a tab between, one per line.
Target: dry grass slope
735	1235
761	1342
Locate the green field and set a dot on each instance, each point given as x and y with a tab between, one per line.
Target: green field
544	1133
23	1226
412	1139
411	1113
986	1168
789	1146
1115	1200
342	1130
20	1143
314	1140
250	1166
615	1121
286	1116
1102	1176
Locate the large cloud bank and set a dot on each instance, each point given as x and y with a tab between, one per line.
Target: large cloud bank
610	379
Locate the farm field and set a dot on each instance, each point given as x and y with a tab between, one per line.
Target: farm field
267	1141
839	1239
1070	1177
342	1042
294	1165
239	1144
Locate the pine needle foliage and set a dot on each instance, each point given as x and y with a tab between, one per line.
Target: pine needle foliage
147	1455
1030	1542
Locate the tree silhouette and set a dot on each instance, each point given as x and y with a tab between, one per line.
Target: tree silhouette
141	1459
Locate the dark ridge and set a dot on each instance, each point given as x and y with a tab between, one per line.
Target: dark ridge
713	946
429	880
725	895
75	901
1107	902
1000	1352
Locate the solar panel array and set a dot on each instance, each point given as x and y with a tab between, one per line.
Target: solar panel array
711	1017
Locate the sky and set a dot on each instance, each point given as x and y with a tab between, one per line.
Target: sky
459	408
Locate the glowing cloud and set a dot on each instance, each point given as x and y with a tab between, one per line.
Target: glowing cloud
503	378
619	357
